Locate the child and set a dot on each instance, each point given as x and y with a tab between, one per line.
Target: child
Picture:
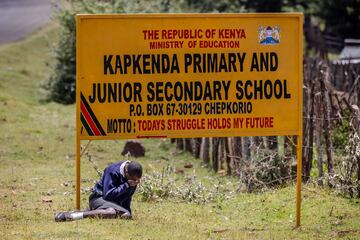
111	196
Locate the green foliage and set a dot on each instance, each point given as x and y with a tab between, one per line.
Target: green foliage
265	170
247	5
347	180
167	186
62	83
221	6
341	17
265	5
341	134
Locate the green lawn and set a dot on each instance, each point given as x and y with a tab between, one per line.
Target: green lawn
37	146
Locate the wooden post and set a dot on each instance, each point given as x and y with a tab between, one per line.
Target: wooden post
329	146
319	130
222	154
246	150
180	144
196	147
188	145
227	157
237	154
216	142
305	110
205	150
310	135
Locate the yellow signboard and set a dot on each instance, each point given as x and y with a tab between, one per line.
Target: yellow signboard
188	75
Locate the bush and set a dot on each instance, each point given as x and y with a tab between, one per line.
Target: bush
266	169
341	134
165	185
347	181
61	84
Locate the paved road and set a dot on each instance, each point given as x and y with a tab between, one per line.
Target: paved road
18	18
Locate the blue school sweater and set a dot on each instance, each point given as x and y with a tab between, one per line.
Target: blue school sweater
113	186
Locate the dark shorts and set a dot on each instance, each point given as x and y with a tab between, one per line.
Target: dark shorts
98	202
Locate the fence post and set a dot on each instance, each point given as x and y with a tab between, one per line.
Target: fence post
329	146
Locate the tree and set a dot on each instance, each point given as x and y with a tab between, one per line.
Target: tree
342	17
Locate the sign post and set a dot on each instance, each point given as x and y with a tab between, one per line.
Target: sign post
298	180
181	75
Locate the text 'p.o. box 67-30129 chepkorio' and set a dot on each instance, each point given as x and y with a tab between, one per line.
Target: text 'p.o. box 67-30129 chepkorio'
188	75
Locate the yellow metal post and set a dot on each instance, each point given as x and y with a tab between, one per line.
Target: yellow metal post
299	180
78	142
300	134
78	157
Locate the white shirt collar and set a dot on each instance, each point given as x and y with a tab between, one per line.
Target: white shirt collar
122	168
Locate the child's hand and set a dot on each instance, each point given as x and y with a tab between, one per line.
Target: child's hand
133	183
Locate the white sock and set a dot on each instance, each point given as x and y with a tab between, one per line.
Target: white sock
77	215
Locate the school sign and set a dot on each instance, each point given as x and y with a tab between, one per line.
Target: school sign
188	75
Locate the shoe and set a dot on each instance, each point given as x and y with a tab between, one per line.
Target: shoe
63	217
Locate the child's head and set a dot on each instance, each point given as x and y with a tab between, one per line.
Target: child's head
134	171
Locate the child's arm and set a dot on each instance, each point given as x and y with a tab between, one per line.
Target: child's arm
113	191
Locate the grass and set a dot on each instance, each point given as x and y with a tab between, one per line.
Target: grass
37	146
